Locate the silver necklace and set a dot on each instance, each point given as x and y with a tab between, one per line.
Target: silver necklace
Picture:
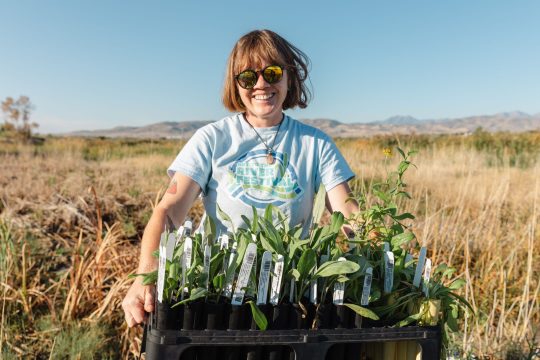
269	149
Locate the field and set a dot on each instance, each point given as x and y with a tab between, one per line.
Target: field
72	212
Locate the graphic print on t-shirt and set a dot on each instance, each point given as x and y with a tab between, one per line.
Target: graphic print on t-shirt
256	183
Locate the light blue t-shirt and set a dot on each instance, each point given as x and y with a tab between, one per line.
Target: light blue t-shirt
228	161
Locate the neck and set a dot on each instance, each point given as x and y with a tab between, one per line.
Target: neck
263	123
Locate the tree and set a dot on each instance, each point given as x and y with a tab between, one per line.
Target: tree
17	116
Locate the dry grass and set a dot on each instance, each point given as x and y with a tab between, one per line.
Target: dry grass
72	212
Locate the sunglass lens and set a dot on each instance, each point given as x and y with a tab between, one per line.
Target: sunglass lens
272	74
247	79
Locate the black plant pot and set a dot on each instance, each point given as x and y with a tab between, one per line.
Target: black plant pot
341	317
214	316
280	317
193	316
298	319
168	318
239	317
323	316
358	321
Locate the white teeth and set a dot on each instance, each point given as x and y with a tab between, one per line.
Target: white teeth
263	97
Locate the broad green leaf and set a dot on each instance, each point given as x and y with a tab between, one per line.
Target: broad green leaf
295	244
174	270
307	262
381	195
336	221
457	284
258	316
334	267
451	318
362	311
218	281
401	239
403	166
295	274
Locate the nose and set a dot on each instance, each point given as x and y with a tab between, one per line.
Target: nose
261	83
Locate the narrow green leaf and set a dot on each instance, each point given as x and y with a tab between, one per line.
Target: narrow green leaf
319	205
408	320
196	293
404	216
362	311
225	217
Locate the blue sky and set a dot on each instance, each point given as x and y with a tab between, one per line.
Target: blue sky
104	63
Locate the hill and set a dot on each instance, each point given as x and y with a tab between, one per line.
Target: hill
507	121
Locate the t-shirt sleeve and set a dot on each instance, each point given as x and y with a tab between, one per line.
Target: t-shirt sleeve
332	167
195	159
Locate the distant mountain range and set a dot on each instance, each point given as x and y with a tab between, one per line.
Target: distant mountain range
508	121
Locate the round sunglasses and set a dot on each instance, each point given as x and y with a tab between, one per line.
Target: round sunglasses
248	78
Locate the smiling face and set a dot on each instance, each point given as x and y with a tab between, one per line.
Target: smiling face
264	102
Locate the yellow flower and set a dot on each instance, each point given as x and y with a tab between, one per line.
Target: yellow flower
387	152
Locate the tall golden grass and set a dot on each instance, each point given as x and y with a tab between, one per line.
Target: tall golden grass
72	212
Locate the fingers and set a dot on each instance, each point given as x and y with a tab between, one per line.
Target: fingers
133	305
149	299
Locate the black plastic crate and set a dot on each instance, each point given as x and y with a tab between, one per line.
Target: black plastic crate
281	344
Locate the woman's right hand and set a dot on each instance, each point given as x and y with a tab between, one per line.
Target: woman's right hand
139	299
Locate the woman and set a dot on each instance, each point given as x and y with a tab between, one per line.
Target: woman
257	157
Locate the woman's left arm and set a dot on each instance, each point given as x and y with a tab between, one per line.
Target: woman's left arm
336	200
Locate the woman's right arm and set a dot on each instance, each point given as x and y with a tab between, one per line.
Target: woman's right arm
175	204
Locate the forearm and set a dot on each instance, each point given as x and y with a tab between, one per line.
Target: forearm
338	199
174	205
150	241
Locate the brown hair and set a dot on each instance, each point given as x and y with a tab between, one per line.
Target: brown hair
258	47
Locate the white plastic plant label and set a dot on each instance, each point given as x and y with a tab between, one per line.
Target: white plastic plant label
206	262
188	227
366	290
264	278
339	290
180	235
186	263
161	266
171	242
388	271
243	275
231	261
427	276
313	290
224	242
420	267
276	280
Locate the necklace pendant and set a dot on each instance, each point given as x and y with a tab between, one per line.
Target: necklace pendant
269	158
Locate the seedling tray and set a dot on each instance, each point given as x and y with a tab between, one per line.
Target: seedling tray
306	344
